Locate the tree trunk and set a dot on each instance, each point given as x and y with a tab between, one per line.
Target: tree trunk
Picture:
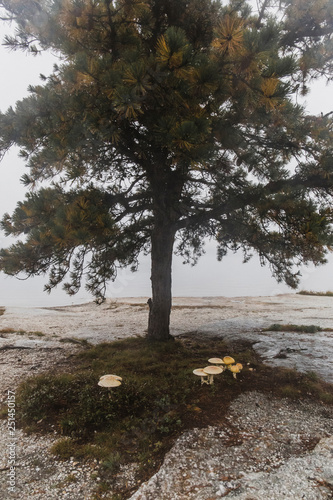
161	267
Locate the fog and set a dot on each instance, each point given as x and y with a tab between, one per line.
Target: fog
209	278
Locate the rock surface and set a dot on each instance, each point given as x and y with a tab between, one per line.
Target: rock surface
305	352
274	457
281	451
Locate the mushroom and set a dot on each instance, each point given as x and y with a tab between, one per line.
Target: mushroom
235	369
211	371
114	376
200	373
228	360
110	381
217	361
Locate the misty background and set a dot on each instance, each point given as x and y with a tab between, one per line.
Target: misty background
208	278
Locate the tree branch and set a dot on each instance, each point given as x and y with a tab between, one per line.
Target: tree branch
244	199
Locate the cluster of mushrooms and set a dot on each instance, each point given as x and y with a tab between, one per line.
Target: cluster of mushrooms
207	374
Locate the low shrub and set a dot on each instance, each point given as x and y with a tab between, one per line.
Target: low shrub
317	294
159	397
276	327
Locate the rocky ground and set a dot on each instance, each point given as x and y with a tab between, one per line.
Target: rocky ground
265	450
282	450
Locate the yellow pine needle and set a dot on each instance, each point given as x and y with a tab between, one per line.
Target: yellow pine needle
163	50
229	36
268	89
165	55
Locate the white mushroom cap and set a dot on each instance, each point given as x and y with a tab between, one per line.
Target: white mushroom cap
212	370
114	376
199	372
204	376
216	361
109	381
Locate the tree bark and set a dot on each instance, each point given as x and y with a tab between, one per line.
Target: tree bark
162	242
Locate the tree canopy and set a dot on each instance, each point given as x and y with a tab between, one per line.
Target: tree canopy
164	123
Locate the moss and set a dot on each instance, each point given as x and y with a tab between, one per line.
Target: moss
37	334
317	294
276	327
159	398
74	340
21	332
112	462
8	330
289	391
64	449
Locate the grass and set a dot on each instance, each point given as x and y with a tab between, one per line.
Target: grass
289	327
8	330
75	340
158	399
276	327
37	334
21	332
317	294
143	305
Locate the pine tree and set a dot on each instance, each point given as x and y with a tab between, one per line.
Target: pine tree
164	123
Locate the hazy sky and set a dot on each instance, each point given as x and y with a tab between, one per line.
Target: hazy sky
18	70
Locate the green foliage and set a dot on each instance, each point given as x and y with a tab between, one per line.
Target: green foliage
78	407
316	294
63	448
293	385
21	332
37	334
74	340
133	421
112	462
276	327
8	330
